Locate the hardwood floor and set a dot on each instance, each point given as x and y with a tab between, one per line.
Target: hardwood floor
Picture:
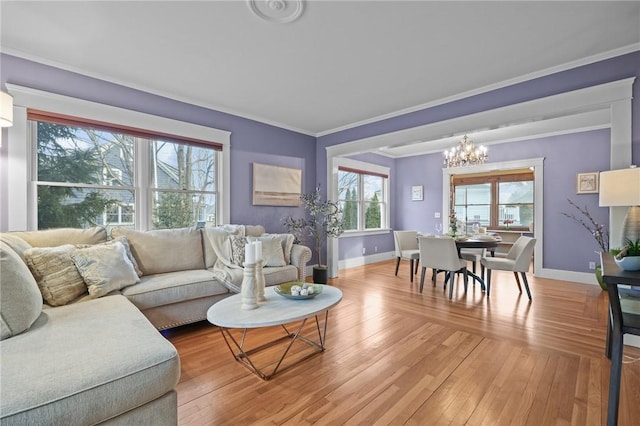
396	356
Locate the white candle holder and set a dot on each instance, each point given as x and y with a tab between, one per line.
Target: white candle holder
259	274
248	289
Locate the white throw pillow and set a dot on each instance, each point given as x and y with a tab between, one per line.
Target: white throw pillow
105	268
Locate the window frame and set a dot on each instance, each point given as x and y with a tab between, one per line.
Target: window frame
22	188
363	168
494	180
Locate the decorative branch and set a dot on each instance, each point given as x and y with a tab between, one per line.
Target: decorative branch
597	230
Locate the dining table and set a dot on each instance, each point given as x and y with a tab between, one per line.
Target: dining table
477	242
481	241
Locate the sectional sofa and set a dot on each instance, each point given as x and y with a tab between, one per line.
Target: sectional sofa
80	314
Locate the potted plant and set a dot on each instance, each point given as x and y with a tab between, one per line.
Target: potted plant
628	258
324	221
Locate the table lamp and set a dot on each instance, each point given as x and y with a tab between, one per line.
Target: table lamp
622	188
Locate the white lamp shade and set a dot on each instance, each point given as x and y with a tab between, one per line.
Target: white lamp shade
6	110
620	187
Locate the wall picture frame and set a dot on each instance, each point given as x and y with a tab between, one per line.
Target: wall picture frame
276	185
417	193
587	183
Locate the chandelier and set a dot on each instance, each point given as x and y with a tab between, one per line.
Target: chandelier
465	154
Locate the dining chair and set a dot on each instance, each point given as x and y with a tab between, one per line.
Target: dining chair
518	260
441	254
406	243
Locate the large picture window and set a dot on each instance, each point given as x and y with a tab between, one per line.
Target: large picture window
503	200
362	194
90	173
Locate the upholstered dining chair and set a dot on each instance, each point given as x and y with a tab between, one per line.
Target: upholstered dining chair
518	260
407	248
441	254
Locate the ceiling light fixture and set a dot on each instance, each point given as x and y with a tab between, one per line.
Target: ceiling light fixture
280	11
465	154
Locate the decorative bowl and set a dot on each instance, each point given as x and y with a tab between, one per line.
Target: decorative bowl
629	263
284	290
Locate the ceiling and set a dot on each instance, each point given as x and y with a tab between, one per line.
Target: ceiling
339	64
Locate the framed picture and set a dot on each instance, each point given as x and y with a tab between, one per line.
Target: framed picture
276	186
587	183
417	193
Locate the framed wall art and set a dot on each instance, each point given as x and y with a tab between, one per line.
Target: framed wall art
417	193
587	183
276	186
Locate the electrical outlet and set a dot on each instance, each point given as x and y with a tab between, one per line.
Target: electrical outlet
437	215
364	251
592	265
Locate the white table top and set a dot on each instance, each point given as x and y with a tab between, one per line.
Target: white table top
276	310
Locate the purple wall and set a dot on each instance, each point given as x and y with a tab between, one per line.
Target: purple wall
406	214
250	140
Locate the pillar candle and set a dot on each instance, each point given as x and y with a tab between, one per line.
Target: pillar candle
249	254
258	250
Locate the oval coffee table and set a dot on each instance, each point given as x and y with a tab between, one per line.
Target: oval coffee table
275	311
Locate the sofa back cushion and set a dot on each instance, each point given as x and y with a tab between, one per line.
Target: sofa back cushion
164	250
21	301
61	236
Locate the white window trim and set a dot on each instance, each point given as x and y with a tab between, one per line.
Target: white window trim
20	151
332	193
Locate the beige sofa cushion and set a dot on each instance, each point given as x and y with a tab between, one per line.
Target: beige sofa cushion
216	238
164	250
60	236
20	301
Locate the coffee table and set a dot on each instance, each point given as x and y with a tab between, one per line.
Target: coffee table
275	311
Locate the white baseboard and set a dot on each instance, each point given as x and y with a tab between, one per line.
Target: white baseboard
365	260
558	274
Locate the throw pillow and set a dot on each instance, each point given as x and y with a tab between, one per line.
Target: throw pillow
236	249
272	253
55	273
286	240
105	268
127	248
21	302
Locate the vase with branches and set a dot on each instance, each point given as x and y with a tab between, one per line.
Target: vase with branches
599	232
324	220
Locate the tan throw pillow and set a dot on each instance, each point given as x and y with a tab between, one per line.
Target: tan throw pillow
55	273
236	249
105	268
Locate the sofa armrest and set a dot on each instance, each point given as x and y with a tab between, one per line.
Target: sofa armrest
300	255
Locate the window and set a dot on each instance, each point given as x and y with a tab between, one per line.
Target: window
363	196
494	200
86	175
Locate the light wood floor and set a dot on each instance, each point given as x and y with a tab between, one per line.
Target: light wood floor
395	356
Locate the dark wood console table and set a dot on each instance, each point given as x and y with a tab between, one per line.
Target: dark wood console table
619	323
